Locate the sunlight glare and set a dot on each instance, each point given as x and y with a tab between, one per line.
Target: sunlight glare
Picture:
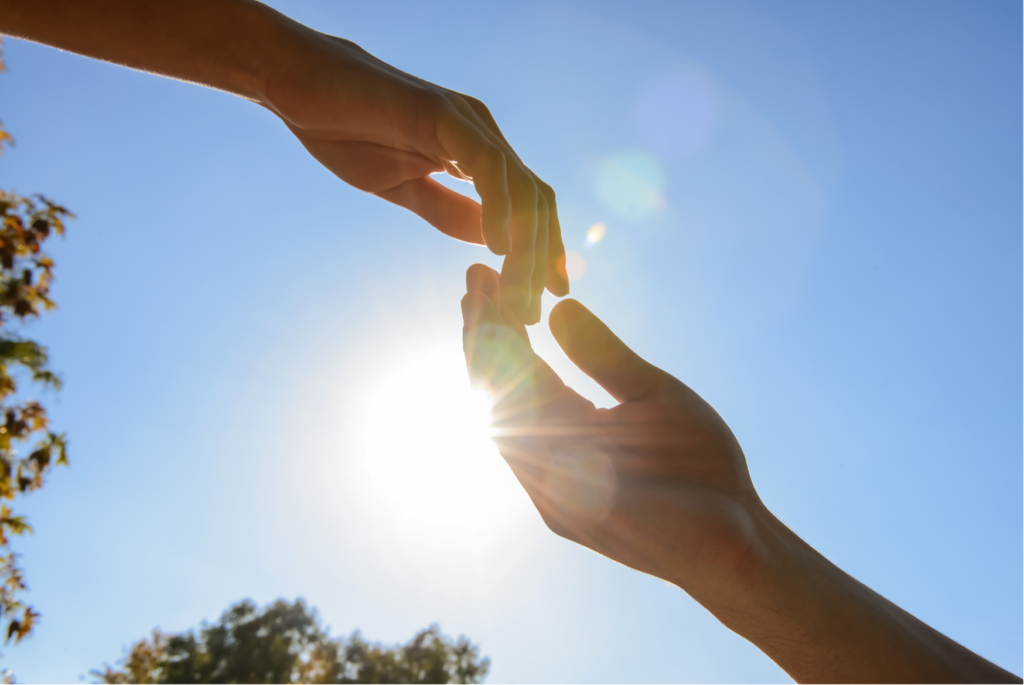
432	475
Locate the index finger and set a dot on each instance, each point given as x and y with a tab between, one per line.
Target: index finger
498	352
549	242
480	158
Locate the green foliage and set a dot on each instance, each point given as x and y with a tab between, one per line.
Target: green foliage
26	273
285	644
5	137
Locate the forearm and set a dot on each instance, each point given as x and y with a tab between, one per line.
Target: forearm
224	44
821	625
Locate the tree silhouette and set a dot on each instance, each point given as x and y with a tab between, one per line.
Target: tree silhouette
284	643
26	273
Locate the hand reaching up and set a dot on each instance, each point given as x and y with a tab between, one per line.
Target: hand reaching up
659	483
661	466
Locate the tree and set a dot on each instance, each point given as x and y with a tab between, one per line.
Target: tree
284	643
26	273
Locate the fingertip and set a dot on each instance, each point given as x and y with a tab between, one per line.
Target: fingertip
450	212
568	308
557	288
562	277
563	318
558	275
482	278
472	277
495	229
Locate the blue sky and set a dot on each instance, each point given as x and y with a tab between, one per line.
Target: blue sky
813	217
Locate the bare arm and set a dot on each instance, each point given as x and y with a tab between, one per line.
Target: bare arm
659	483
223	45
374	126
822	625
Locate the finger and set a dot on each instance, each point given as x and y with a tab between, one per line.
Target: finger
484	279
517	270
520	382
557	277
601	355
446	210
545	259
381	167
540	258
483	160
513	323
480	110
483	342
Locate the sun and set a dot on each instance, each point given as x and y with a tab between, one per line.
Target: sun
428	469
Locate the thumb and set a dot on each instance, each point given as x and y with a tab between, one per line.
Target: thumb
451	213
601	355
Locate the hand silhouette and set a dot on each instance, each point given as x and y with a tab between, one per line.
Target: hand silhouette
385	131
659	483
375	127
661	466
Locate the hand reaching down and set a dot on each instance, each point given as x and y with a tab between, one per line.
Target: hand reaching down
385	131
375	127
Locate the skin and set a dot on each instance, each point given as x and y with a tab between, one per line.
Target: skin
659	483
374	126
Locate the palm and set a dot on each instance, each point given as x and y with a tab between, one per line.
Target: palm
664	465
661	465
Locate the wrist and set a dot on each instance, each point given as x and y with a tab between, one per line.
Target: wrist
743	593
790	601
820	624
278	48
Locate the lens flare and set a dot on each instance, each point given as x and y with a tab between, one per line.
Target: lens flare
575	265
630	184
594	235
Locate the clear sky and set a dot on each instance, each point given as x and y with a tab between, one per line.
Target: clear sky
813	217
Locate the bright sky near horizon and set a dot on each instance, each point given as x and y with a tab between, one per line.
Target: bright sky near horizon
810	213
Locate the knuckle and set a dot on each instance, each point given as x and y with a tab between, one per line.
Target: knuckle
477	105
542	202
460	103
527	187
433	101
428	111
492	157
547	191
